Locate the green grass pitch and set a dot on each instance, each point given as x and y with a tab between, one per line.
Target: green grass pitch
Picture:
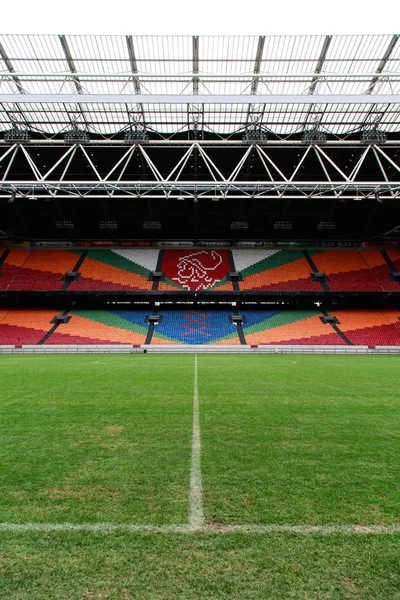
286	440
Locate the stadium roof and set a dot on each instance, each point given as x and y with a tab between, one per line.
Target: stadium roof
217	84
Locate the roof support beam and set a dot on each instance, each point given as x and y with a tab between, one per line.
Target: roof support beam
70	62
256	79
134	69
132	60
257	63
203	99
383	62
320	63
195	60
11	69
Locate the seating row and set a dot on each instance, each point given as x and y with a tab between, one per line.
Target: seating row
193	326
130	270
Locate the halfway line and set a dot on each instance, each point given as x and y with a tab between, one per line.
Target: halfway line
196	514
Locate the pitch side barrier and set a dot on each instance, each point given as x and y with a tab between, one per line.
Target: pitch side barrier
273	349
242	349
78	348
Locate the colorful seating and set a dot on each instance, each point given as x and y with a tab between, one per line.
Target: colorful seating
371	327
11	267
102	327
25	326
274	271
199	270
195	327
43	270
288	327
347	271
116	270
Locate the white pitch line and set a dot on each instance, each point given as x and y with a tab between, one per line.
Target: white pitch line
196	514
210	529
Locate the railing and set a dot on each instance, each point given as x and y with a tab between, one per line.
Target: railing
260	349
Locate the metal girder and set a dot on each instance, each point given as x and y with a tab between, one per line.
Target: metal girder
257	64
317	190
256	79
272	184
320	63
278	75
383	62
195	63
201	99
224	143
132	60
11	69
71	64
75	78
134	69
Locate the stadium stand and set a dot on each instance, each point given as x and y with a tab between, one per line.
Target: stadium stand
12	261
102	327
372	327
43	270
25	326
196	327
131	270
116	270
288	327
346	271
275	270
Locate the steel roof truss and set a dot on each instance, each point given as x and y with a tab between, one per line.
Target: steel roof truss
383	63
379	149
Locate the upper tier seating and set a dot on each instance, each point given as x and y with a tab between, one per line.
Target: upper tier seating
274	271
116	270
347	271
380	269
201	270
43	270
11	266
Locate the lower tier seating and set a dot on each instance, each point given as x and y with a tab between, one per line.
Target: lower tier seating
193	326
288	327
25	326
373	328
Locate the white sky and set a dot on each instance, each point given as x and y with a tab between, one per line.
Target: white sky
201	17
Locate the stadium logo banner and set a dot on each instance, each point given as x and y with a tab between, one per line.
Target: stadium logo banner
195	270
